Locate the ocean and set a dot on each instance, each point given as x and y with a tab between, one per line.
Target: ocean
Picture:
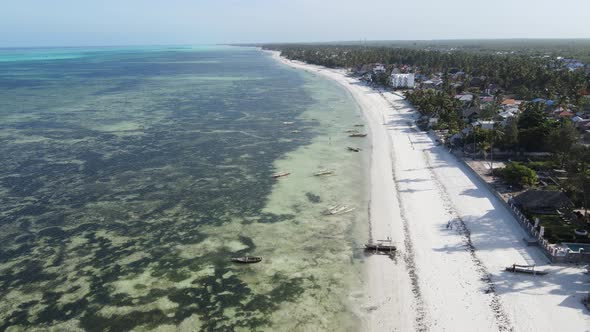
130	176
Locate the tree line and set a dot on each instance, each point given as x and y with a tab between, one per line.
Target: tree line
524	75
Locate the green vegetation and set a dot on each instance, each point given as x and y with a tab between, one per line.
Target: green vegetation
578	48
520	73
577	184
557	230
541	165
463	81
437	103
517	174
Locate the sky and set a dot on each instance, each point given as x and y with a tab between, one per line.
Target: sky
30	23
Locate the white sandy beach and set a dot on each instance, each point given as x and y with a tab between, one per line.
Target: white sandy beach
448	279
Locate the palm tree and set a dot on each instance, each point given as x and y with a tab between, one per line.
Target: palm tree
496	133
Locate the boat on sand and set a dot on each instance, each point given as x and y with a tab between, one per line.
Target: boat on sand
527	269
380	247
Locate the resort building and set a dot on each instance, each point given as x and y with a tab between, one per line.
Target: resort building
379	69
399	81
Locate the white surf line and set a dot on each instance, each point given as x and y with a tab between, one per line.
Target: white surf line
380	144
391	304
421	321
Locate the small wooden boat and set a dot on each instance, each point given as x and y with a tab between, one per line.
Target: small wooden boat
528	269
350	148
357	135
359	125
380	247
246	259
338	209
280	174
322	172
351	131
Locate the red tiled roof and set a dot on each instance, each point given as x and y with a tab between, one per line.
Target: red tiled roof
509	102
566	114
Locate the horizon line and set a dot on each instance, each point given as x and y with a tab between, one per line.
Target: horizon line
298	42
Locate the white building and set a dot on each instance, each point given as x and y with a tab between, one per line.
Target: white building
379	69
488	125
402	81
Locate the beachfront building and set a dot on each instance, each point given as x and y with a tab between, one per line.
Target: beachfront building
431	84
485	124
465	98
542	201
402	81
379	69
505	116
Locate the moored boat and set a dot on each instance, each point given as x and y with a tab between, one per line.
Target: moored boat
338	209
350	148
246	259
323	172
357	135
280	174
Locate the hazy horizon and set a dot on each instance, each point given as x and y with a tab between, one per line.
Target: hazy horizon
368	41
34	23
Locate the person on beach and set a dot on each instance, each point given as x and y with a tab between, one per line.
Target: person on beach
450	224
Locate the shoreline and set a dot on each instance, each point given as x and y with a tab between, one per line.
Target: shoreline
387	306
446	279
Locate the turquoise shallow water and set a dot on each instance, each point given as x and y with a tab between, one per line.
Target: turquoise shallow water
50	54
130	176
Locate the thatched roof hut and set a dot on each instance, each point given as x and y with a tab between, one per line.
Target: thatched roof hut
542	201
